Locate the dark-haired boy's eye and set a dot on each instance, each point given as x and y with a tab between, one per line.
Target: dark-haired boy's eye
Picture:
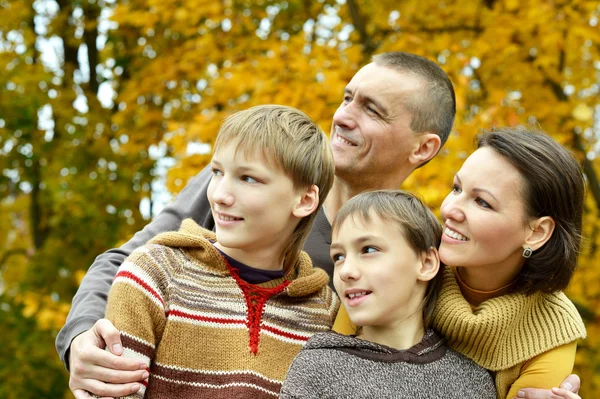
337	257
369	249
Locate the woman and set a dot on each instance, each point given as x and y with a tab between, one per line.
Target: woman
512	230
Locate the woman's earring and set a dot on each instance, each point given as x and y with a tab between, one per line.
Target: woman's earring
527	252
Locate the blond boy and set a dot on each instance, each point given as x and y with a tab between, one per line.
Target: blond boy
223	314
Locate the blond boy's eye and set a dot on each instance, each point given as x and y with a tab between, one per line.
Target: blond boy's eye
217	172
249	179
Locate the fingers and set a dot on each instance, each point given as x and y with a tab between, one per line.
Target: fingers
94	370
107	332
565	394
533	393
571	383
104	390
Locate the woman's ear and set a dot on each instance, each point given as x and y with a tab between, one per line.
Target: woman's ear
540	231
429	266
308	202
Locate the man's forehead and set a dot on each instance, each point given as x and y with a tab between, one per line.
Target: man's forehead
373	79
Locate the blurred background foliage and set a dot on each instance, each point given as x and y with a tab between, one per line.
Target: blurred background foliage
107	106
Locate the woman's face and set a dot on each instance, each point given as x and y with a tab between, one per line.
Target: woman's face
484	215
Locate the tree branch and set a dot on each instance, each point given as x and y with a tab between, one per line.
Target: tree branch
368	46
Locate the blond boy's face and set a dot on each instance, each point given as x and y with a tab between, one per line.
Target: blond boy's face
252	205
376	272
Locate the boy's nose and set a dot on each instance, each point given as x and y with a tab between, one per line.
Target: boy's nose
349	271
223	193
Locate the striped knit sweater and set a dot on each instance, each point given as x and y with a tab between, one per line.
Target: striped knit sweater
202	330
503	333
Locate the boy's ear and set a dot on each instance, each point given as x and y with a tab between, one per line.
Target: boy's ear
308	202
540	232
426	146
429	265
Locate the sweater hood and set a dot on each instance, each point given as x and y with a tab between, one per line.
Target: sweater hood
430	348
196	242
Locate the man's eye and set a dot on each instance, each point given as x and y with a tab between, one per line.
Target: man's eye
372	111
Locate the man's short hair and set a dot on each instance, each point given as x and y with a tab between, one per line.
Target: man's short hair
290	141
434	108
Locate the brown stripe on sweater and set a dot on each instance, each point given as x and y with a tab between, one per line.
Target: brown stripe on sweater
160	389
137	346
200	377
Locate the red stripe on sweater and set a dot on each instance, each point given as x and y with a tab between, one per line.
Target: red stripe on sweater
284	333
205	318
141	282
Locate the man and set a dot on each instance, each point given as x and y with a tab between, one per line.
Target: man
396	113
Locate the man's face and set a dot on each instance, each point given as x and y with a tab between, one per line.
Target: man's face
371	134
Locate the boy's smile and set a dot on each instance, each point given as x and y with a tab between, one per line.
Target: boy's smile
252	204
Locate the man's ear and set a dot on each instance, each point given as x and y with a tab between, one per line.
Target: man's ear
308	202
429	265
539	232
426	146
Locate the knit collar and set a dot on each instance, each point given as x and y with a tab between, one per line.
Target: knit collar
475	297
507	330
429	349
195	242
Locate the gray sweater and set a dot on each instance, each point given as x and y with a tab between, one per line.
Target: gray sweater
332	365
90	301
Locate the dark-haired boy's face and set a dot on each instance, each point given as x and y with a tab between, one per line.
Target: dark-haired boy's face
376	272
371	133
252	204
484	216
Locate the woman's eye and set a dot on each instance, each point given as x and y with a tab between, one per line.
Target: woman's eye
482	203
456	188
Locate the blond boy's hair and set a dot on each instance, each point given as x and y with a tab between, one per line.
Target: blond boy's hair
291	142
421	229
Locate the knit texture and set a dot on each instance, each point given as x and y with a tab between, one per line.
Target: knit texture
204	331
502	333
332	365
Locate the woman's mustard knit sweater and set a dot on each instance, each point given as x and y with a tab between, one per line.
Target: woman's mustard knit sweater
502	333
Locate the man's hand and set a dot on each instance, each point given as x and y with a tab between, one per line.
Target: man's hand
568	390
106	374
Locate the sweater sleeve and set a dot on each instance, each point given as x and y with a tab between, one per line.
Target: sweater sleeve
546	370
89	303
138	303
